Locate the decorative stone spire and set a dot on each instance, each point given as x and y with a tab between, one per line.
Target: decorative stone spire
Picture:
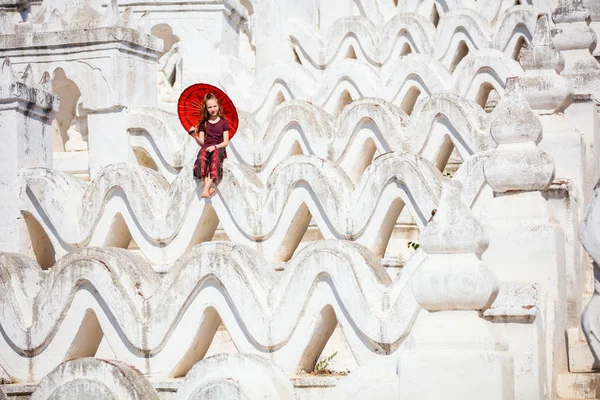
453	276
25	90
451	339
45	83
27	76
545	90
576	41
7	75
112	15
517	164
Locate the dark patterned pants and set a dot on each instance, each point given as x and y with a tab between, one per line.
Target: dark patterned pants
210	165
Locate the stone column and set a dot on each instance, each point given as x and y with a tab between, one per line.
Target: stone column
112	63
452	352
205	31
527	242
549	95
576	39
26	129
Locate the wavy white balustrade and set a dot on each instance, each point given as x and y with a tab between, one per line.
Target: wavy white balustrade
162	324
379	11
90	378
220	377
365	127
354	79
382	44
127	202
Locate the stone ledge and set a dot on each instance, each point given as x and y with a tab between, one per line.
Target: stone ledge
29	99
86	37
578	386
229	6
516	301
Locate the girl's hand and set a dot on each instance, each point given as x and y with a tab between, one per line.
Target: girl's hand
211	149
192	130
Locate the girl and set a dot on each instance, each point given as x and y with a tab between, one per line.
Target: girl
212	135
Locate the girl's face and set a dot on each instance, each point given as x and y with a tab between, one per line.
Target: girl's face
213	107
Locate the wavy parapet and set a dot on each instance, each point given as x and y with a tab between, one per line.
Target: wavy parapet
379	45
323	122
162	324
229	376
366	127
125	203
353	79
220	377
94	378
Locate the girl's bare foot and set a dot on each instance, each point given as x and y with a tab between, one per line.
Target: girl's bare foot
206	195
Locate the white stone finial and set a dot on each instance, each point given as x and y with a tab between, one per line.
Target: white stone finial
27	77
7	26
143	24
7	74
514	121
45	82
545	90
127	18
541	54
451	339
55	22
112	16
576	40
453	276
517	164
570	11
572	31
453	230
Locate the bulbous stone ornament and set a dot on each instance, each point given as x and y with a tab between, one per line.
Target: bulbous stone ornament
517	164
544	89
453	276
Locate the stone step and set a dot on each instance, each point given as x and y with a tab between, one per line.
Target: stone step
578	386
581	358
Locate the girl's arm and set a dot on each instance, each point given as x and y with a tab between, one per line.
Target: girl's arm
225	141
199	138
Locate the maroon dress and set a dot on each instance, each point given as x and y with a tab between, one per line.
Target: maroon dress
211	163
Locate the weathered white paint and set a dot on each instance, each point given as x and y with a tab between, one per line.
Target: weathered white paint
325	89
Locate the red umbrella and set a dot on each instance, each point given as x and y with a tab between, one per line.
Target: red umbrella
189	106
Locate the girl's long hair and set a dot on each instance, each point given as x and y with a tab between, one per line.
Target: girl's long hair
205	114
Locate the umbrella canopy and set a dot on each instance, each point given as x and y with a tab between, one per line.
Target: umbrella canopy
189	106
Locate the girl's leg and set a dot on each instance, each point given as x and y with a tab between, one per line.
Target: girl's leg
216	170
206	192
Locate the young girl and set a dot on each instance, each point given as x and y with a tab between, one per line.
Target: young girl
212	135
